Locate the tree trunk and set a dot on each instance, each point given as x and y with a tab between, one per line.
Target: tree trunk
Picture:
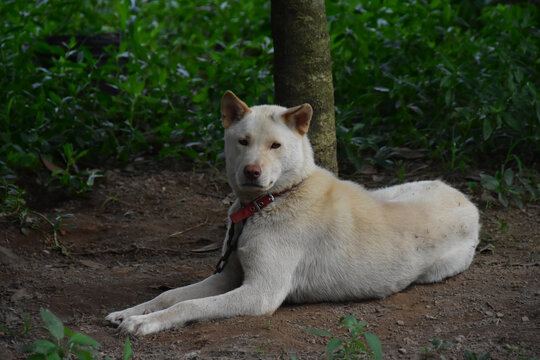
303	70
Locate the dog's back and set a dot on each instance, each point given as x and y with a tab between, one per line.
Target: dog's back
363	244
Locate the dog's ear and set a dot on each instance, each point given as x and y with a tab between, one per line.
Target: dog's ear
298	118
232	109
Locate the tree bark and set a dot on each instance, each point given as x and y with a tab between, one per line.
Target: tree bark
303	70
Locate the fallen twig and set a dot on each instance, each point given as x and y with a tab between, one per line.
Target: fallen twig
189	229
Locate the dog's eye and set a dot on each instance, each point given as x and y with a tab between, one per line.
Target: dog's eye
275	145
243	142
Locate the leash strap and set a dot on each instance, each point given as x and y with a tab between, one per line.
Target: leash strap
232	243
241	215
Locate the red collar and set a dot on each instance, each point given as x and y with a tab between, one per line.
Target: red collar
256	206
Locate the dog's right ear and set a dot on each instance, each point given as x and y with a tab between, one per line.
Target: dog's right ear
232	109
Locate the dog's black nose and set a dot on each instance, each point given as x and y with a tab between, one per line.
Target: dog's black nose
252	172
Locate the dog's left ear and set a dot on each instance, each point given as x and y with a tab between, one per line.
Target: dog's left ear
298	118
232	109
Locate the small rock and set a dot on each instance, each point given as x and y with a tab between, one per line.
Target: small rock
431	317
6	354
428	306
191	355
489	313
20	294
524	318
459	338
402	350
400	322
8	257
367	169
500	315
92	264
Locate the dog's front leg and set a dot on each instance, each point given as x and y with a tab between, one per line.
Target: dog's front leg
267	282
230	278
245	300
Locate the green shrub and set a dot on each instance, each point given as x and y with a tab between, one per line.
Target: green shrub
458	79
417	73
158	92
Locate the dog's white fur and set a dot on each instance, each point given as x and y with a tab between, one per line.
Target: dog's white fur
324	240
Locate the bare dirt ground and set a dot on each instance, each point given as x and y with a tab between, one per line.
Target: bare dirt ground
143	231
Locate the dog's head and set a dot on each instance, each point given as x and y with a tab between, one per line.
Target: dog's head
266	147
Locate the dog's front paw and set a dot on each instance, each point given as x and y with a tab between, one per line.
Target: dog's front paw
117	317
141	325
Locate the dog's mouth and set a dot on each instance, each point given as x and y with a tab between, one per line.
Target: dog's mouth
249	186
252	185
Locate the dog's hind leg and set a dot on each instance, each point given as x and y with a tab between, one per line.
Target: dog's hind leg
229	279
452	262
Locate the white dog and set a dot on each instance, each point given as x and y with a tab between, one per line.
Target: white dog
309	236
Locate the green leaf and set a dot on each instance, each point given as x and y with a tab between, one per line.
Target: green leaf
190	153
128	352
54	356
83	354
43	346
503	199
35	357
54	97
68	150
517	200
487	128
54	325
512	121
81	154
318	332
333	345
351	322
446	345
489	182
81	339
374	344
508	176
485	356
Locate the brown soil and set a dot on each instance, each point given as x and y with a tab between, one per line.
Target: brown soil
143	232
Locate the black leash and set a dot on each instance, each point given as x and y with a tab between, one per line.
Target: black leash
232	244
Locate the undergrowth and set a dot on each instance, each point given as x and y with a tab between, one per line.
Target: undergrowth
361	344
456	79
358	343
62	343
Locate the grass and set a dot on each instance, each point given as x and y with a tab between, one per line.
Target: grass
456	79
